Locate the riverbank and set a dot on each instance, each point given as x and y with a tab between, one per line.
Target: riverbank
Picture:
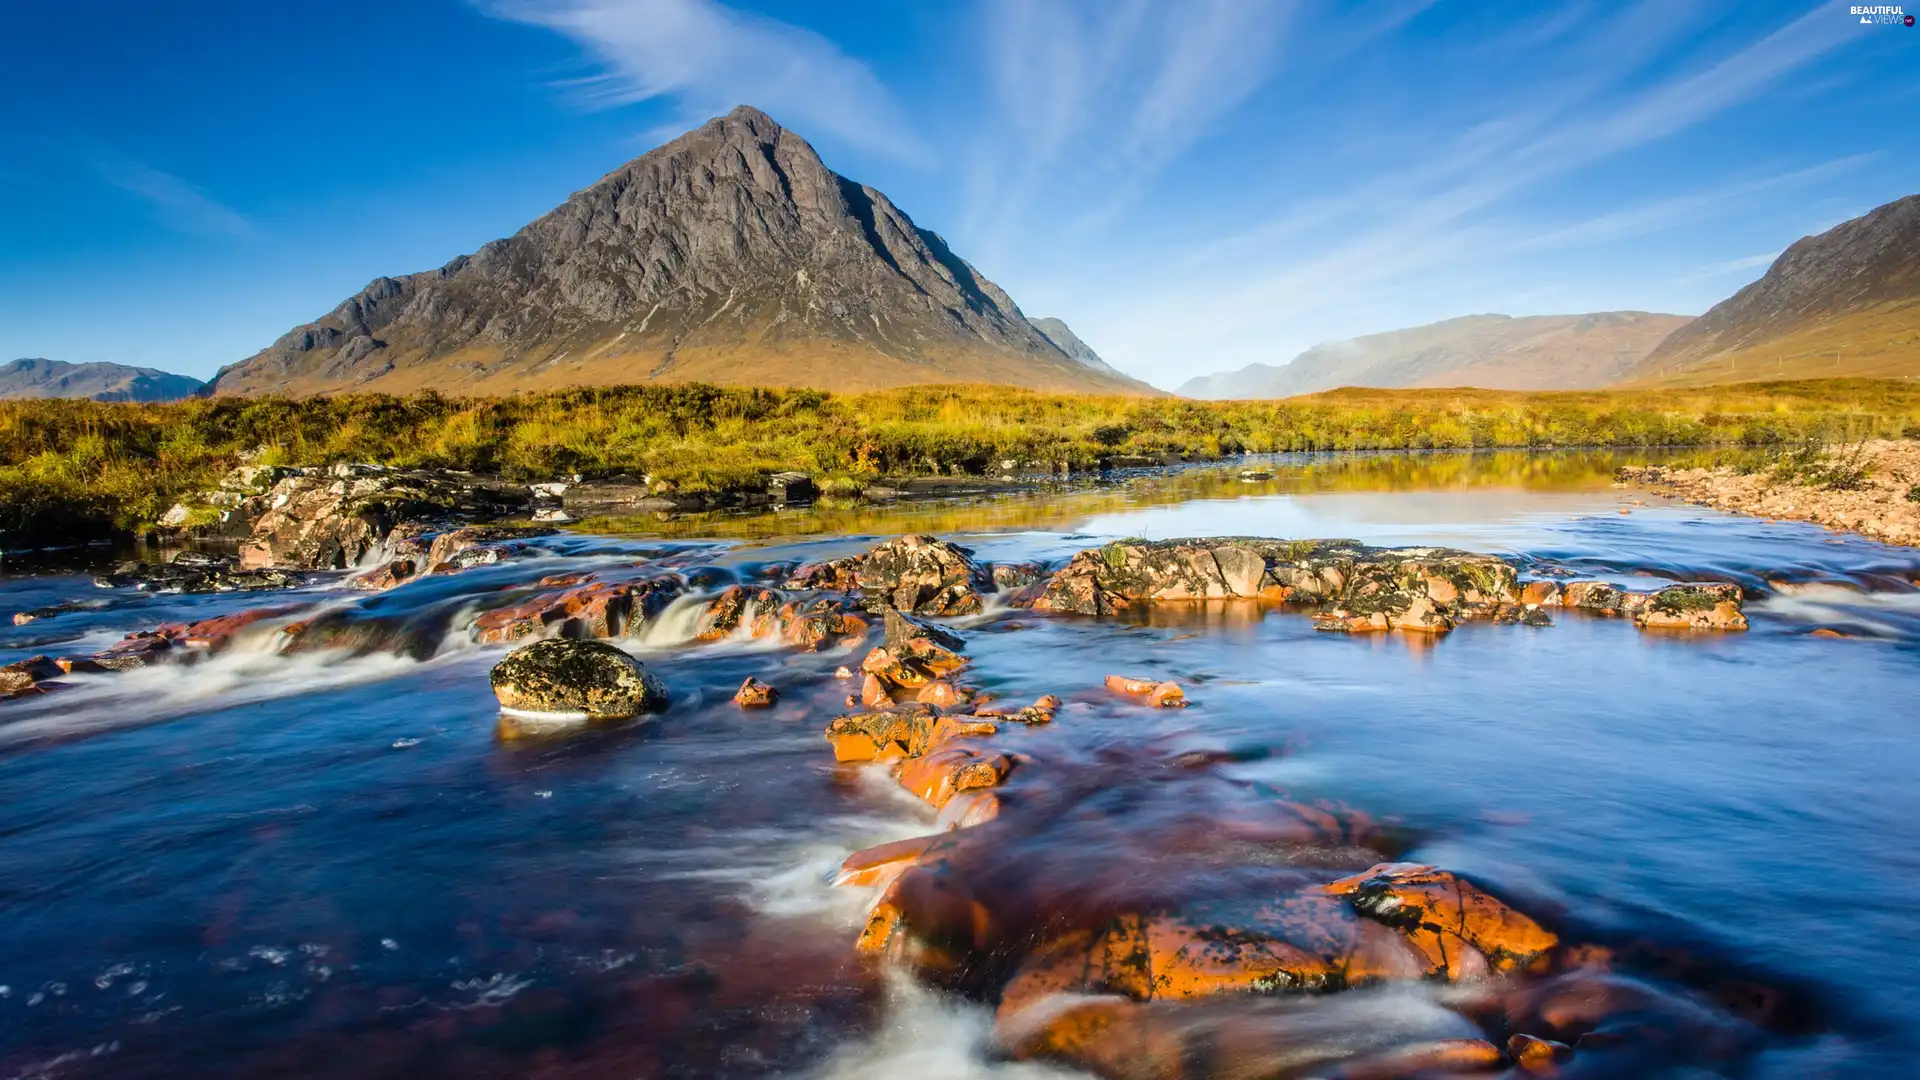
72	471
1871	488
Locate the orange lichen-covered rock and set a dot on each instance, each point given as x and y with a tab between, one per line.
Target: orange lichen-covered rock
1537	1056
1442	1057
736	606
754	694
873	692
880	864
1707	606
578	607
894	670
1460	929
1343	622
1541	593
1166	695
939	775
942	694
1595	596
896	732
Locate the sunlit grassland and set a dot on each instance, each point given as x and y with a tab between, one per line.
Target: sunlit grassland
70	469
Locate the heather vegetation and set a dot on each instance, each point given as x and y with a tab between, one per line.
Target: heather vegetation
77	468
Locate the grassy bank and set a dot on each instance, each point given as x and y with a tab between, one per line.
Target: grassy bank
71	469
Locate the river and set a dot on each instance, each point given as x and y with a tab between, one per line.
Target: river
332	864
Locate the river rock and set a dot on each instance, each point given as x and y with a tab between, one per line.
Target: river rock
1696	606
1461	930
23	677
332	518
590	677
754	694
922	575
191	572
1161	694
578	606
1354	587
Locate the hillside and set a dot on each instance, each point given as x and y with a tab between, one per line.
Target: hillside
36	378
1843	303
1496	352
730	255
1068	342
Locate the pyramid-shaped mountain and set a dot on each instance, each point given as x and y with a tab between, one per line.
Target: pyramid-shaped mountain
729	255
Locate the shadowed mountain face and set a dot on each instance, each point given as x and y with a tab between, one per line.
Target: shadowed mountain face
1497	352
1843	303
101	382
730	255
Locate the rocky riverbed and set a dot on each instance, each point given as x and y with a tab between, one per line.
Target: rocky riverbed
1883	502
1486	790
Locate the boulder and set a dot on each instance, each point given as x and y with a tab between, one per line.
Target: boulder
1696	606
332	518
577	606
921	575
754	694
1165	695
1460	929
23	677
1354	587
586	677
791	487
191	572
479	545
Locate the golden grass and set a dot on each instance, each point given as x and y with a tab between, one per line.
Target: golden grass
75	468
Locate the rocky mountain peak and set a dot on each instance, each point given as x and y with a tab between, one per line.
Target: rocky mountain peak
730	254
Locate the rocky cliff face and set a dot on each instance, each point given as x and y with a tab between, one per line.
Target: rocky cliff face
101	382
731	255
1497	352
1845	302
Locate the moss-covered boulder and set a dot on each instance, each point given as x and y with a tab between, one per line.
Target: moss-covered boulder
589	677
1692	606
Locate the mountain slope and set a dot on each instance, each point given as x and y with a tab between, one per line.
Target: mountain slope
731	255
1843	303
101	382
1068	342
1497	352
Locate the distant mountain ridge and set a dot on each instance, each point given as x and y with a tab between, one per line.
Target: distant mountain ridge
1068	342
1497	352
729	255
1843	303
40	378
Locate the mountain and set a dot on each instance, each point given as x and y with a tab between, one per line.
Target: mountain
1843	303
1068	342
1499	352
101	382
730	255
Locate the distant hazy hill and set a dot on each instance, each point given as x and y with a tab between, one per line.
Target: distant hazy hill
101	382
729	255
1070	343
1843	303
1500	352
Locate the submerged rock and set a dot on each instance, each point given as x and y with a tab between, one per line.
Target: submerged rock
589	677
1165	695
191	572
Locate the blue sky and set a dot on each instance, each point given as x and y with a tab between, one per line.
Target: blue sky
1193	186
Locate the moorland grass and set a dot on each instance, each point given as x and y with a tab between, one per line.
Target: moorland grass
76	469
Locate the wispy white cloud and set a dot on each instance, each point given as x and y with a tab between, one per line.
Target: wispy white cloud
181	205
705	58
1092	100
1376	254
1723	269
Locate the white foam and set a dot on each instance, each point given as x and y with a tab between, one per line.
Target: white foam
928	1036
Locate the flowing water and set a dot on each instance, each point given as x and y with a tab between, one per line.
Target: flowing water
330	864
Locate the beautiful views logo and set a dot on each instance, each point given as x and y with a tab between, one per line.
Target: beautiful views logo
1882	15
